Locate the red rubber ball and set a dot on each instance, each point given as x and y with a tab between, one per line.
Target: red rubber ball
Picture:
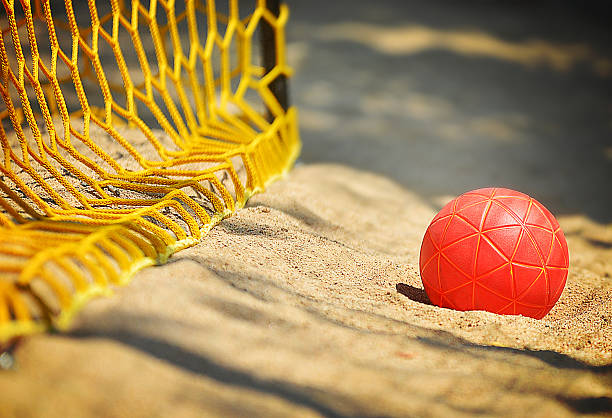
496	250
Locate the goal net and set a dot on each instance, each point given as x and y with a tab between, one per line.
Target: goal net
128	129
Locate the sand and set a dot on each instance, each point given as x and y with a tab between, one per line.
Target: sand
308	302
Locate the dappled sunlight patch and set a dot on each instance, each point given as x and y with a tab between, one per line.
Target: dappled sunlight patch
413	39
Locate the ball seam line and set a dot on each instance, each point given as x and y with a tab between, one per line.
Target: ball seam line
533	243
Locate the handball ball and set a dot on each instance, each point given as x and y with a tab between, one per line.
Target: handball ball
496	250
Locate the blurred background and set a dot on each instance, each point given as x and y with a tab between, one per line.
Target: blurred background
445	96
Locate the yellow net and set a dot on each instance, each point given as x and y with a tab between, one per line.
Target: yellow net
128	130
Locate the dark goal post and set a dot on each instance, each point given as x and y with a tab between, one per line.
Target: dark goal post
278	86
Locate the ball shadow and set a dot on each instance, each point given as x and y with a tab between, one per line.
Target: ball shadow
413	293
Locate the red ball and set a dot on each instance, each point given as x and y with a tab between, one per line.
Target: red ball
496	250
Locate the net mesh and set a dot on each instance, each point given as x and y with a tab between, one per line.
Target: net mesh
128	129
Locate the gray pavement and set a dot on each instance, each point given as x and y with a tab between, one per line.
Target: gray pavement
445	96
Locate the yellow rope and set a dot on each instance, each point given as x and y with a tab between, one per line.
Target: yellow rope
128	129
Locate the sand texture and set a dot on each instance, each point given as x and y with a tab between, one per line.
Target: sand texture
308	302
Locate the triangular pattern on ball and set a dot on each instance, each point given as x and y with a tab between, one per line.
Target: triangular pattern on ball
436	230
530	275
543	238
462	297
463	253
557	255
428	250
494	301
536	293
473	214
445	211
527	252
505	239
501	251
537	217
497	217
488	258
499	280
430	272
516	205
556	279
460	229
469	199
453	277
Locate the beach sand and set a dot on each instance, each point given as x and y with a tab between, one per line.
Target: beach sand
308	302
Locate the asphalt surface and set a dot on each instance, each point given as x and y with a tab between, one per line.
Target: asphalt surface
445	97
